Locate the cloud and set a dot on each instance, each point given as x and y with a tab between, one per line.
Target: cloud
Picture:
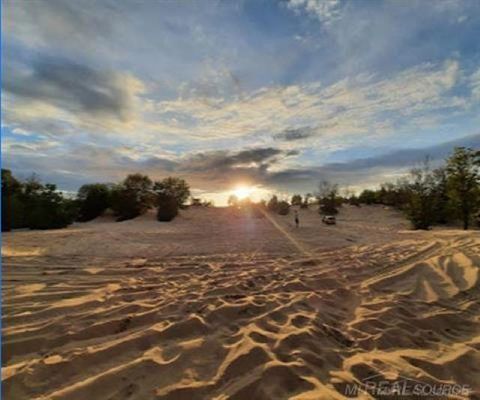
292	134
221	168
325	10
475	84
369	171
363	104
89	162
76	27
112	89
58	96
76	88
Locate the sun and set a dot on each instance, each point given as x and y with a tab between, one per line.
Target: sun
242	192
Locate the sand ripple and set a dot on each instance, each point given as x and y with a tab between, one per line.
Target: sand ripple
242	326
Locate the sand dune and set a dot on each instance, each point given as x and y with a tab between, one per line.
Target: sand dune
239	312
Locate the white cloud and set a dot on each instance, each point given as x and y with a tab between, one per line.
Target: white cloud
475	84
360	105
325	10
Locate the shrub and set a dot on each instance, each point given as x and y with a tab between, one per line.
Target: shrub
328	198
283	208
463	180
132	197
167	207
33	205
175	187
306	200
368	197
296	200
93	199
12	207
273	204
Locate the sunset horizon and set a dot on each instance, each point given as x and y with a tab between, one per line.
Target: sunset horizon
279	95
240	199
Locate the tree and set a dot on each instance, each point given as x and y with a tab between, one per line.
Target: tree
306	200
132	197
11	205
421	204
353	200
167	207
296	200
442	207
283	208
175	187
368	197
31	204
93	199
463	178
273	204
327	196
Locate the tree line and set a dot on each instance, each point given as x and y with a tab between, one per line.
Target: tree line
427	196
32	204
430	197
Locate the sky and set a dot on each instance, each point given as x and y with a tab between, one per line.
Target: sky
278	95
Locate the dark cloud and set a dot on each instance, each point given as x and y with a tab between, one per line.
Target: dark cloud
408	157
292	134
220	169
224	160
368	170
72	86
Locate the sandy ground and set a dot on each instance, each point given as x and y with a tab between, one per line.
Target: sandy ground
221	305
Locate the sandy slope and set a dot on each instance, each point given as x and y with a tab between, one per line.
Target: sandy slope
217	306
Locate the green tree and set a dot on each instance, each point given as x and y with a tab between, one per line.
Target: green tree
442	206
463	178
177	188
93	199
273	204
42	207
132	197
12	207
306	200
328	198
296	200
283	208
167	207
368	197
421	204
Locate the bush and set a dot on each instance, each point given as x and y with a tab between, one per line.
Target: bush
33	205
93	199
368	197
296	200
175	187
328	208
273	204
133	197
463	180
328	198
167	207
12	207
283	208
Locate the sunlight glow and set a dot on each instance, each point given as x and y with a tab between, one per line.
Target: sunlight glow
243	192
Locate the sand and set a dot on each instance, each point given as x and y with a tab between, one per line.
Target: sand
222	305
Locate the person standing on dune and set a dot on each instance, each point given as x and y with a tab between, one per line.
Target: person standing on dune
297	221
